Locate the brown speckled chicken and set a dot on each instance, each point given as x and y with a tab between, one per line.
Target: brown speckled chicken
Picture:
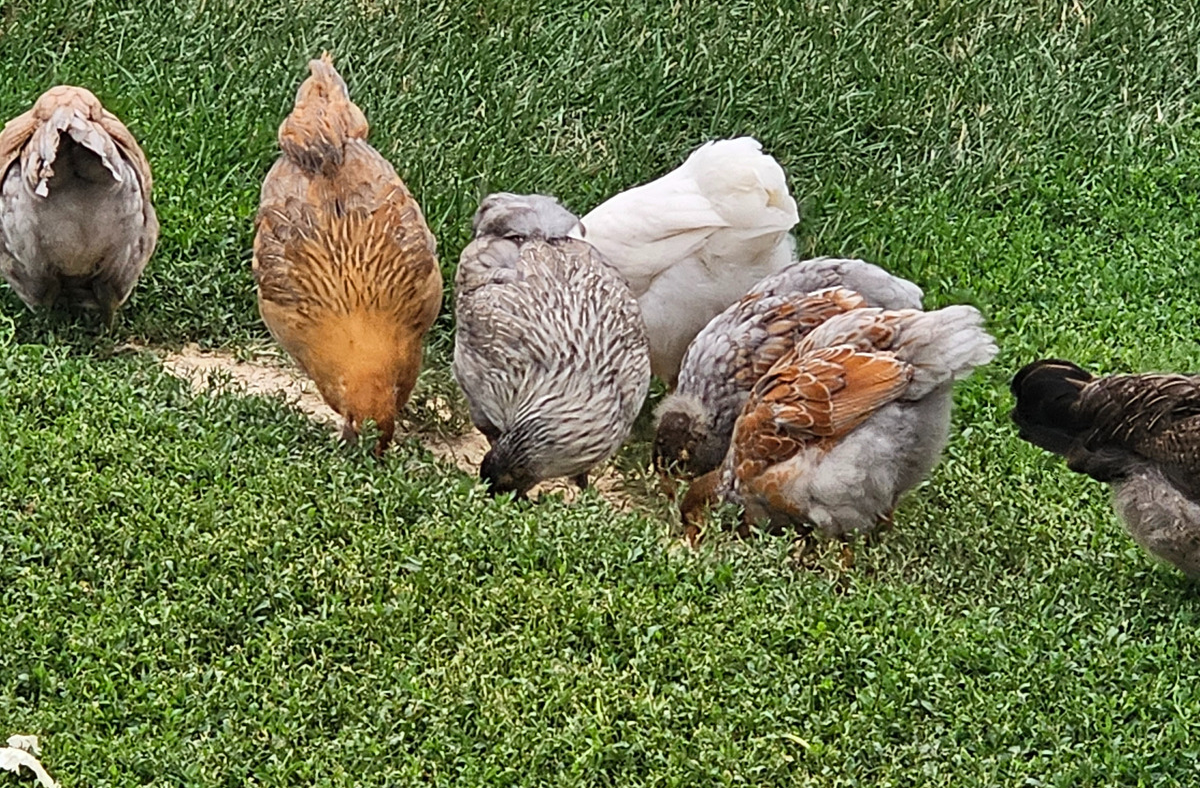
348	280
76	222
847	422
1139	433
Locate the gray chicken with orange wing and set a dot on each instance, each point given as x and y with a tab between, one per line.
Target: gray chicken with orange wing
847	422
726	359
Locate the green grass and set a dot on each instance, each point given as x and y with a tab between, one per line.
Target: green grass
203	590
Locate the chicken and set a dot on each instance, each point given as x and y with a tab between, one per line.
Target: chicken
847	422
738	346
694	241
1138	433
76	221
550	349
348	280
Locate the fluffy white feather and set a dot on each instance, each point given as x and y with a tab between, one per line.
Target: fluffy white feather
694	241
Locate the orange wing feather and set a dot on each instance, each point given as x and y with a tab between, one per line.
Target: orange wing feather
792	319
811	399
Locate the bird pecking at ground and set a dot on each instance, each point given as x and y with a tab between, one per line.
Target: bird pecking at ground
844	424
550	349
347	273
693	423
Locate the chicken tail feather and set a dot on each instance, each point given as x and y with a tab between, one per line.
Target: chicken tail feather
944	345
315	134
44	146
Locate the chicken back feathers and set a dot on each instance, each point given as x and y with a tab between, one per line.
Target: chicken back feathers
694	241
1140	433
823	396
852	418
1105	427
879	287
942	346
738	346
76	218
550	349
348	280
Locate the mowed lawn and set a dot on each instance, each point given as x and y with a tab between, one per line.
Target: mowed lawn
208	590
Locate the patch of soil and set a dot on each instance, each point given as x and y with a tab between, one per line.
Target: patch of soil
269	375
209	371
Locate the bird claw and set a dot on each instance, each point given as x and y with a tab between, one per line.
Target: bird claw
886	520
666	483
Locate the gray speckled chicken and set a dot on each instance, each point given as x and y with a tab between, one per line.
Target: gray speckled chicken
847	422
550	349
76	222
738	346
1139	433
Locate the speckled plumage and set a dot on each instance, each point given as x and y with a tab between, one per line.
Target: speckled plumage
738	346
695	240
348	280
848	421
76	221
1139	433
550	349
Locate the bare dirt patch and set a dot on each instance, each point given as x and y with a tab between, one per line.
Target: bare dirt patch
269	374
213	371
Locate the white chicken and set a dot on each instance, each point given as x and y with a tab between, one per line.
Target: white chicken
694	241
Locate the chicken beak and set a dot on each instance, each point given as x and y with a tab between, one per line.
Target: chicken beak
666	472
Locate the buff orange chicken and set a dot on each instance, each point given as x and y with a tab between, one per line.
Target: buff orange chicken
347	273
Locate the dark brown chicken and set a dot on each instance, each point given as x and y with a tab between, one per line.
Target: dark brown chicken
1139	433
348	280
